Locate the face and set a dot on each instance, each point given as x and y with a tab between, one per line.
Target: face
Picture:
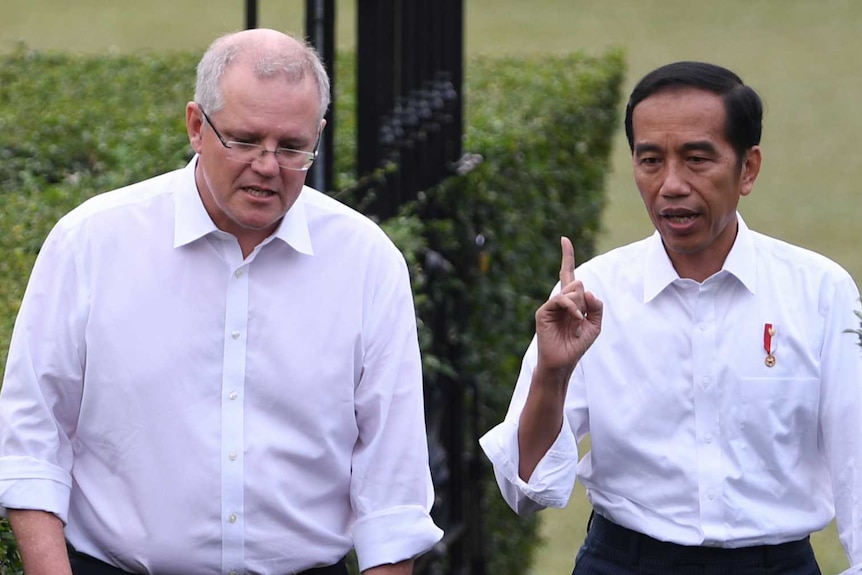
689	176
249	200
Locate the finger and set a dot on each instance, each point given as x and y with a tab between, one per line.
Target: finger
595	308
567	265
568	303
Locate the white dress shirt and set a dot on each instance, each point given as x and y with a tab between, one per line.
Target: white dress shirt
694	439
188	410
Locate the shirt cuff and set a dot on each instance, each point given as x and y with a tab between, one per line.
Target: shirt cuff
35	494
552	481
854	570
394	535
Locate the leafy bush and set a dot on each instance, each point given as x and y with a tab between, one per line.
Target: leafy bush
544	130
483	247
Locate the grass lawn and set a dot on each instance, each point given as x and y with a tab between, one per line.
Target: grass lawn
802	57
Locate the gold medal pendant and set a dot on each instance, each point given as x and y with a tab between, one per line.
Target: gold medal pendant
769	344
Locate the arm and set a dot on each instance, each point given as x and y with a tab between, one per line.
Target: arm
391	490
40	542
566	326
841	415
401	568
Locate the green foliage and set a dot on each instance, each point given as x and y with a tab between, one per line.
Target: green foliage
858	332
10	563
483	247
544	130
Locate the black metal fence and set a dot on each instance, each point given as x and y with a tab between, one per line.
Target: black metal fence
410	73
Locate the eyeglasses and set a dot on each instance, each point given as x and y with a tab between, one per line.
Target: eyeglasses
245	152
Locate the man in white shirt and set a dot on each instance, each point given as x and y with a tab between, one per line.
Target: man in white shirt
709	365
217	370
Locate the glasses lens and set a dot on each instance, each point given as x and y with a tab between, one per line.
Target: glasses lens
286	158
242	152
294	159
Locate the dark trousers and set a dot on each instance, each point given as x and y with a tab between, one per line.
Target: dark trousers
85	565
610	549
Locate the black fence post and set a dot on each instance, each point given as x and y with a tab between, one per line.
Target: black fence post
250	14
320	30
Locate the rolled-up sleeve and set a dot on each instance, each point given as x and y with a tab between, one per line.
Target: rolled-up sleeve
391	488
42	385
554	477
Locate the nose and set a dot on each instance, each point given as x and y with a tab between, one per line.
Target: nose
265	163
675	182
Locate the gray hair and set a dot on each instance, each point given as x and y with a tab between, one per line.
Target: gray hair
267	62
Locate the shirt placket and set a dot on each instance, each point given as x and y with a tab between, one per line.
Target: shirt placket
232	400
707	420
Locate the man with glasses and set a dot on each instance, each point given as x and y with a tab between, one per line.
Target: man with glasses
217	370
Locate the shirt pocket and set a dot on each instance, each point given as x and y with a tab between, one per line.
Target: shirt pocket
776	421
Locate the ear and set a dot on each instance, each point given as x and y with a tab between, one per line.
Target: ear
194	126
750	170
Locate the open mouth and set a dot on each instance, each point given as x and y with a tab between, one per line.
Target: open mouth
680	218
258	192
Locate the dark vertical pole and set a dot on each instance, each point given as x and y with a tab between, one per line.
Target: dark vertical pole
377	89
250	14
320	30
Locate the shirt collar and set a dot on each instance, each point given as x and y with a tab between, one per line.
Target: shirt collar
192	221
740	262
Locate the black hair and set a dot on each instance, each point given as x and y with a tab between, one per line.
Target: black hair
743	106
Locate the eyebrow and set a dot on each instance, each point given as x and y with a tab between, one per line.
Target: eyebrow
700	146
641	149
695	146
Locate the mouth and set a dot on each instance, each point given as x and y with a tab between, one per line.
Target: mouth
256	192
680	218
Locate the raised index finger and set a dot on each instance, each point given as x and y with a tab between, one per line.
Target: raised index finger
567	266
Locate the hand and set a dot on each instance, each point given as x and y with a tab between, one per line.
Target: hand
568	323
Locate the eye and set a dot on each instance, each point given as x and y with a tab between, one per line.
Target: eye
242	146
288	152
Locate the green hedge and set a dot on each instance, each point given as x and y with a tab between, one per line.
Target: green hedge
544	130
74	126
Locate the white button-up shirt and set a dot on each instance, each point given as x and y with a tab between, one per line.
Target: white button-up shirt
694	438
188	410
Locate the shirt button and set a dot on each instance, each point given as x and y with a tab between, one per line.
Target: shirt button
235	335
238	273
711	494
232	395
232	456
708	438
706	381
232	518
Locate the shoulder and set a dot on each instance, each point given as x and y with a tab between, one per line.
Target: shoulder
777	255
802	277
110	207
624	264
329	217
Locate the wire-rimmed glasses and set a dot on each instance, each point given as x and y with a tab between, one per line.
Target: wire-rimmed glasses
246	152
